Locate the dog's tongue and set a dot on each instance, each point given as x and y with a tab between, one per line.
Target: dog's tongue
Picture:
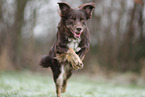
77	35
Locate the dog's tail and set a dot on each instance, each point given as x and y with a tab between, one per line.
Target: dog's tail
46	61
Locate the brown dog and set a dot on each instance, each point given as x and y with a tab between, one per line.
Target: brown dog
72	40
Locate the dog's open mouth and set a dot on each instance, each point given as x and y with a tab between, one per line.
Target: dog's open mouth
77	34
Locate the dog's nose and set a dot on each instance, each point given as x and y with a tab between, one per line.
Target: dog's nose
79	28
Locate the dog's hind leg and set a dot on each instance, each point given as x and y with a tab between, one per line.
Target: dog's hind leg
58	90
67	74
59	81
63	89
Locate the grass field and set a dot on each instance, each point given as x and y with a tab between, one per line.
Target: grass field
27	84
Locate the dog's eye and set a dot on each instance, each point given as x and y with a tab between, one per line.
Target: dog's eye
72	20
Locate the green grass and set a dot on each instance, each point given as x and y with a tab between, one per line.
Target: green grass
27	84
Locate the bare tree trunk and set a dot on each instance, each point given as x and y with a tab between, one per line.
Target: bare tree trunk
131	51
17	37
11	46
0	23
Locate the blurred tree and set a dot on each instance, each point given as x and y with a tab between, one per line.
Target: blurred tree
17	37
133	49
11	46
117	34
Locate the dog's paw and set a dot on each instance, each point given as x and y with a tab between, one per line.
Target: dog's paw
70	57
61	57
74	59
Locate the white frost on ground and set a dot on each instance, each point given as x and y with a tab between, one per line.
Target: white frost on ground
26	84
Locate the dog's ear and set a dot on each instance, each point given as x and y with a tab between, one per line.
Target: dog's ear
64	8
88	9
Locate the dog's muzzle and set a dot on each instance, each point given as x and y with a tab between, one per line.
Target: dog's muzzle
78	32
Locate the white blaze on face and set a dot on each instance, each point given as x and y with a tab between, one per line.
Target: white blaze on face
73	43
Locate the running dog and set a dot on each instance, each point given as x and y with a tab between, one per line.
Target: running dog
71	45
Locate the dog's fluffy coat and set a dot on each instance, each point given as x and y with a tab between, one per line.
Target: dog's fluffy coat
72	34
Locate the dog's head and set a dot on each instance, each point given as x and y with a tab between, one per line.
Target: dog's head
75	19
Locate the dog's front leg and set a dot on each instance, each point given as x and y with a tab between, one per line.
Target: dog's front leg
82	52
61	48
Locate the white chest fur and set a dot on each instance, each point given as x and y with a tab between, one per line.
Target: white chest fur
73	43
